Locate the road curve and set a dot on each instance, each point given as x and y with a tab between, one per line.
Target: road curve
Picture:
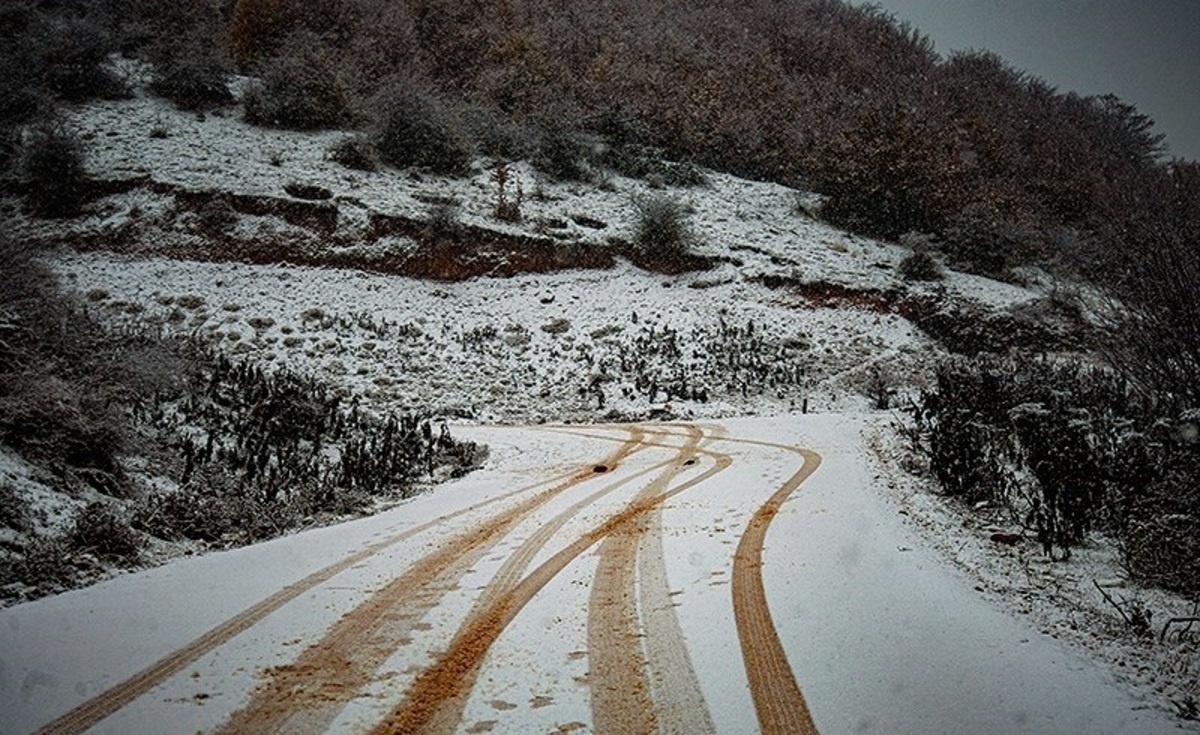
778	701
641	677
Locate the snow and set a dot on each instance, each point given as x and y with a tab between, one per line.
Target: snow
896	615
883	634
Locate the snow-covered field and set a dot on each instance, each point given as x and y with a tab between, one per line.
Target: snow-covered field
881	633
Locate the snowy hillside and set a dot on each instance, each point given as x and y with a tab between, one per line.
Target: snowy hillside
781	342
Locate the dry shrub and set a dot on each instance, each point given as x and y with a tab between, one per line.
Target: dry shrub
52	167
920	266
356	152
198	81
662	229
419	130
302	88
101	530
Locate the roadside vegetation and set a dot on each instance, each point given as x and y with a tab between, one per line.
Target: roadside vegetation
164	440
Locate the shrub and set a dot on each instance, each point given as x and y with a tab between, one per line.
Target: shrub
443	220
563	152
651	165
301	89
505	209
661	229
216	216
1067	449
920	266
418	130
197	81
260	29
356	152
500	137
52	167
44	564
102	531
14	509
74	54
982	241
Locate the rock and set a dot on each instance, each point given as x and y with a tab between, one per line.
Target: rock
310	192
589	222
1008	539
556	326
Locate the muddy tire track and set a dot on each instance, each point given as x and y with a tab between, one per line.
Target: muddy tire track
307	695
449	676
87	714
778	701
675	688
449	712
636	688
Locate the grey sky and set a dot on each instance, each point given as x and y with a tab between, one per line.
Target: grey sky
1147	52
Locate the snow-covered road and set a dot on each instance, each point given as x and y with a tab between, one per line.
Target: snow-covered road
681	578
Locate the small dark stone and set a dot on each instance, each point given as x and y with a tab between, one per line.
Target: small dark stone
308	191
1009	539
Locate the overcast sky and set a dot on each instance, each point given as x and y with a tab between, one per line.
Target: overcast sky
1147	52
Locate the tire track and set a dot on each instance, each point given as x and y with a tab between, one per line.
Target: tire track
90	712
449	712
778	701
307	695
681	706
449	675
625	676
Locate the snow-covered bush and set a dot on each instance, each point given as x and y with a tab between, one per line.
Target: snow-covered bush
443	220
193	82
356	152
662	230
564	152
73	54
52	167
301	89
101	530
920	266
419	130
1069	449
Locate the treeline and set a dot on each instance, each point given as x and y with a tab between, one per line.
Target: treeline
999	166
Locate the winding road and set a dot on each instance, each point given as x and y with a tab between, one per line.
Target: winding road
640	678
613	579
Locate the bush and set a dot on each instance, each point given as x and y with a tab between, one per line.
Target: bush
74	55
356	152
194	82
52	167
45	564
985	242
301	89
99	529
1067	449
662	230
418	130
650	164
14	509
564	153
920	266
444	220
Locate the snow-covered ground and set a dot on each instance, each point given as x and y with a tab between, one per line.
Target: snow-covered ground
882	633
895	613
